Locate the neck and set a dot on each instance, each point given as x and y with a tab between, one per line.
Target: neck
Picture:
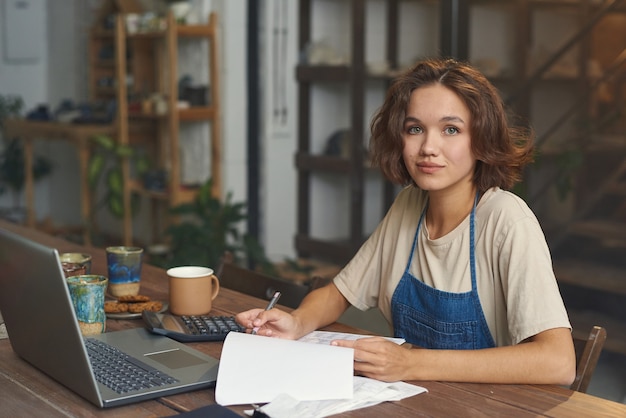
446	211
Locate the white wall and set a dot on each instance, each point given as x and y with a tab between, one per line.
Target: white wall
27	78
58	73
233	27
66	79
278	124
16	75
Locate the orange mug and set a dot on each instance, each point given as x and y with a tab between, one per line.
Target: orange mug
192	290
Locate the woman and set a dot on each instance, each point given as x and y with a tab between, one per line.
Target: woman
459	266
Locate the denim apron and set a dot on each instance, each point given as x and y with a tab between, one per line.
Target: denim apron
431	318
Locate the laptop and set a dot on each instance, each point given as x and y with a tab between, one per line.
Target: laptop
43	330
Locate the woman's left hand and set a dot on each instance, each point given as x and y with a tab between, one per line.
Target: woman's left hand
378	358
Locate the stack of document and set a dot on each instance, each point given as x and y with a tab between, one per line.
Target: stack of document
326	337
367	392
306	378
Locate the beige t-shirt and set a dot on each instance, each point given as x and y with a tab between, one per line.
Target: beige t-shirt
516	284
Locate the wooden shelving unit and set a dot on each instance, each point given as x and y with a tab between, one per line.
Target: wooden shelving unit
209	113
128	65
588	248
308	164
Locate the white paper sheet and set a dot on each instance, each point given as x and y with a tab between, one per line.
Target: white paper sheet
256	369
326	337
367	392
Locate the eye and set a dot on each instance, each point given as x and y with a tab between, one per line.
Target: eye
451	130
414	130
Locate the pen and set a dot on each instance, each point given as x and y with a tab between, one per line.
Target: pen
270	305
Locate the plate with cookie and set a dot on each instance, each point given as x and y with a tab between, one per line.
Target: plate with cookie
131	306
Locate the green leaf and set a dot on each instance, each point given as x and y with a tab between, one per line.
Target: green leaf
124	150
142	164
104	141
115	181
207	227
116	205
96	164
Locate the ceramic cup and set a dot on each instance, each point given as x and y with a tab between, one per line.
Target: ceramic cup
124	268
87	292
192	290
77	258
73	269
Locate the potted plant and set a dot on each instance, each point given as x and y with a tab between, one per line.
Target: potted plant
205	229
106	161
12	176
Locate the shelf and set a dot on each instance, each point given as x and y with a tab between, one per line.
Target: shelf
151	59
321	73
106	91
570	4
155	34
314	162
137	187
544	4
337	251
103	34
197	113
184	194
310	162
148	116
603	230
105	64
591	275
199	31
337	74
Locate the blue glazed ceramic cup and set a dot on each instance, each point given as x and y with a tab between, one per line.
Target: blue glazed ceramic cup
87	292
124	267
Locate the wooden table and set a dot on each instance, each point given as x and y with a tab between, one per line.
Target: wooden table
79	135
24	391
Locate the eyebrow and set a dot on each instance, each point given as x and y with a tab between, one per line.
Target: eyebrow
443	119
452	119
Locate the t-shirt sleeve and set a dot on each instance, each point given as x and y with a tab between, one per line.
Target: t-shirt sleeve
372	272
359	280
534	302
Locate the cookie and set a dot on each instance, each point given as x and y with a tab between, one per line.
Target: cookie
112	306
154	306
133	298
139	307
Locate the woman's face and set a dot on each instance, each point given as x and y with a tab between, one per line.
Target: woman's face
436	136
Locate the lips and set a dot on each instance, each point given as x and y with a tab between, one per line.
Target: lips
429	168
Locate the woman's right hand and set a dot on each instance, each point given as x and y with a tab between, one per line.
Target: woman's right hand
319	308
272	323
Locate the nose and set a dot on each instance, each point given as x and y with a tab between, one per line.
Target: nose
430	144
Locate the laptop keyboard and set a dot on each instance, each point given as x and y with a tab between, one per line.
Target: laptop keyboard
121	372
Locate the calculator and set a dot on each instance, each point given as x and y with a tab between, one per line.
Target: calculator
191	328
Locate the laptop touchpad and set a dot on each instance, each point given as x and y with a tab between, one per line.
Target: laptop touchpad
176	359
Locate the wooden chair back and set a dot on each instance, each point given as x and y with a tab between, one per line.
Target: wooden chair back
260	285
587	354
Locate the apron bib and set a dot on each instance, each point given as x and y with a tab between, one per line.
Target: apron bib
431	318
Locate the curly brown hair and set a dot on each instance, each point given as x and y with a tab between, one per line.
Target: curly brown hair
502	150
